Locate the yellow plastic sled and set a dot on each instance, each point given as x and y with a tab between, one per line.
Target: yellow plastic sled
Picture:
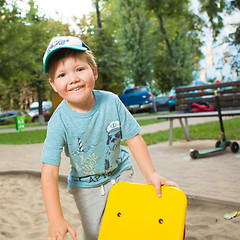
134	212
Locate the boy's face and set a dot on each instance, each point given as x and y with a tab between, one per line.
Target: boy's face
74	81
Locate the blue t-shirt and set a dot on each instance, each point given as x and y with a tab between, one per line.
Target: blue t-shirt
91	140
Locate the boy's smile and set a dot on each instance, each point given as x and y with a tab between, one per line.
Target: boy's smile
76	87
74	81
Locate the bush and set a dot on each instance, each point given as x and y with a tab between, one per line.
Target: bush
9	121
28	119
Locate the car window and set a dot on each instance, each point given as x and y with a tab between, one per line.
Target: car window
135	90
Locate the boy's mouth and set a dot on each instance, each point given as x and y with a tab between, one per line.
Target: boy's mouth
77	88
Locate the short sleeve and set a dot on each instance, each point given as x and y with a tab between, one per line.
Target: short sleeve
54	142
129	125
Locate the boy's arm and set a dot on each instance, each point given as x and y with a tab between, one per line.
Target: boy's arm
140	152
58	226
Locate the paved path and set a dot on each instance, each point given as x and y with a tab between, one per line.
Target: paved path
165	125
215	177
9	130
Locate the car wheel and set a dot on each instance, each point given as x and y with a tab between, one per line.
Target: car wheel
35	120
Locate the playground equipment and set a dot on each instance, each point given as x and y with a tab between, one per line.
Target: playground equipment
134	211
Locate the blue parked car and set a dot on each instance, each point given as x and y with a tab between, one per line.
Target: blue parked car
138	99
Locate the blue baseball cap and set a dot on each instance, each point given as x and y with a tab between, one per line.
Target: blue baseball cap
62	42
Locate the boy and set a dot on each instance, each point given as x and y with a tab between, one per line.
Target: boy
89	125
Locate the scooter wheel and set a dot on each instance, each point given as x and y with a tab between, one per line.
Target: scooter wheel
194	154
218	144
234	147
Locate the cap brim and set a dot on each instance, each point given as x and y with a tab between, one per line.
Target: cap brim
77	47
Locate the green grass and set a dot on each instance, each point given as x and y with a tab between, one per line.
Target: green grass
143	122
28	137
208	130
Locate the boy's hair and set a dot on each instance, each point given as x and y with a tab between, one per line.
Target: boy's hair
64	53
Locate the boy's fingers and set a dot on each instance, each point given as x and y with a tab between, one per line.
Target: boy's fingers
173	184
158	190
72	232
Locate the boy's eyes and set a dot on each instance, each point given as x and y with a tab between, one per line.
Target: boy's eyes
80	69
61	75
64	74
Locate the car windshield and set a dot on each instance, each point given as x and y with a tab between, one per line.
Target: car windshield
136	90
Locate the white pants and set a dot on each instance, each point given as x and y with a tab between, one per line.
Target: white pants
91	204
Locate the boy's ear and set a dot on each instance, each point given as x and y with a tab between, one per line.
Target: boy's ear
52	84
95	73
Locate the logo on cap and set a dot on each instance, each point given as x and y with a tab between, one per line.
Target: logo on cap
57	43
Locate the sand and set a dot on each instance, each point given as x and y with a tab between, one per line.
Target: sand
23	215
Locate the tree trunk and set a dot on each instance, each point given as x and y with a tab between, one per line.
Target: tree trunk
40	100
99	22
169	49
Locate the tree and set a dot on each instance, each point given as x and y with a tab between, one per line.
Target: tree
12	47
134	29
23	40
39	34
234	38
214	8
176	42
101	39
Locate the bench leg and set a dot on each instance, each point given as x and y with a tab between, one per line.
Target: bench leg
170	131
185	129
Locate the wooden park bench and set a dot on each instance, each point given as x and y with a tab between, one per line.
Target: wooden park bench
229	96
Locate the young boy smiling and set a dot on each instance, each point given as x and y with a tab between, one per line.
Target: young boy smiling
89	125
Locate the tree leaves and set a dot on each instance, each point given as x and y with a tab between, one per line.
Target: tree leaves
23	40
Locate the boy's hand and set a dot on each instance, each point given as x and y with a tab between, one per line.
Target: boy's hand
59	228
140	152
157	181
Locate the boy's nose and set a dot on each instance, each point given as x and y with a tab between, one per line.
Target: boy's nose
74	78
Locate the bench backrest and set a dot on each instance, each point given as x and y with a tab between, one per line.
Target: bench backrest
228	92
